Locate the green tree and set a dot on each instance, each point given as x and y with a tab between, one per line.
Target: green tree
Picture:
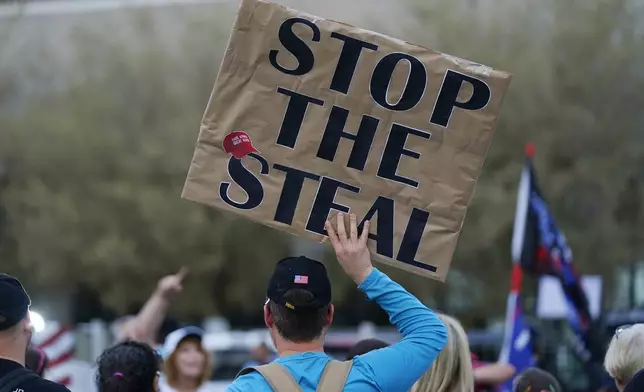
96	177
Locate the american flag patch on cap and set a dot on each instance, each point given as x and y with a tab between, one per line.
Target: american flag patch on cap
301	279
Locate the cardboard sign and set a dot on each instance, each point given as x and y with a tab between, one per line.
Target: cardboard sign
309	116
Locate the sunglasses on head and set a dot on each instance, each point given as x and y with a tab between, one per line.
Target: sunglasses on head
621	329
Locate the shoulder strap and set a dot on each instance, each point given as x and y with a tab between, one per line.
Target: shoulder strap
11	381
334	376
276	375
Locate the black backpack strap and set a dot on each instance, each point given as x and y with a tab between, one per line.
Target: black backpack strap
12	380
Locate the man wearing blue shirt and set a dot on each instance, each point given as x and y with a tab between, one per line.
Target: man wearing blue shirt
298	313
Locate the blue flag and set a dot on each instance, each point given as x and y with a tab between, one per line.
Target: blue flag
545	251
517	342
539	248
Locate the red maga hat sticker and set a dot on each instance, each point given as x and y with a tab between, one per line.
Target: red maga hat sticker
238	144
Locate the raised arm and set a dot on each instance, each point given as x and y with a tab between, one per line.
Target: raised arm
146	324
397	367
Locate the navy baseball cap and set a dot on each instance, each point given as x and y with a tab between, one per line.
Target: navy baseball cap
14	302
300	273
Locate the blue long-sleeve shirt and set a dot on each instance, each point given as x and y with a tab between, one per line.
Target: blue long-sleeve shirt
395	368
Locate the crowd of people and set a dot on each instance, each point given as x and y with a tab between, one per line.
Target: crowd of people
433	354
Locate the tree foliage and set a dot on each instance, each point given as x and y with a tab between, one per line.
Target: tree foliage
97	161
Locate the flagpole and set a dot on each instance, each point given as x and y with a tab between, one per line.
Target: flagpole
518	235
521	213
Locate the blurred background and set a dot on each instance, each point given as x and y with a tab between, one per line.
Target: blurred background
100	106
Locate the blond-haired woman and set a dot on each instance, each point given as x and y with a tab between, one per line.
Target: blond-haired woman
452	369
625	354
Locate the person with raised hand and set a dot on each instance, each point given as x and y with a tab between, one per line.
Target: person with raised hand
144	327
298	312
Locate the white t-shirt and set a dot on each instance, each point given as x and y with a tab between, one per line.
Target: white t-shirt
164	387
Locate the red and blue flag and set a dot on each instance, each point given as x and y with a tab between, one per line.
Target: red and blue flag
539	248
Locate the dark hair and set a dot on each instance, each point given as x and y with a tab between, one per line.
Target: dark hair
301	326
365	346
535	379
127	367
36	361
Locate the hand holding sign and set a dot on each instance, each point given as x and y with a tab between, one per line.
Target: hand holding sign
351	249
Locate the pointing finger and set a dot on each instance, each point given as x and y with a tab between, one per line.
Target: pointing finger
182	273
